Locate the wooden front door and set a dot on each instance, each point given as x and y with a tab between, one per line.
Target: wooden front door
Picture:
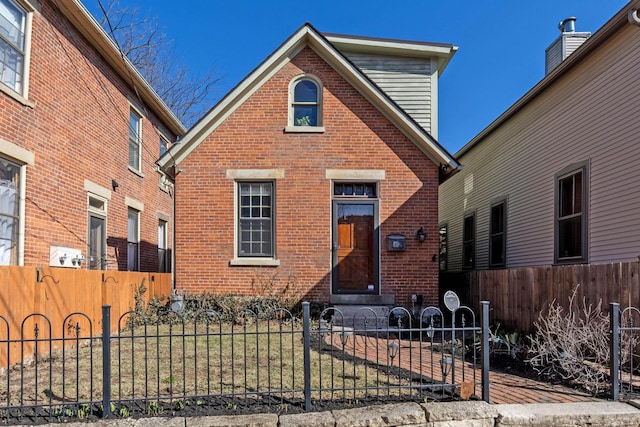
355	248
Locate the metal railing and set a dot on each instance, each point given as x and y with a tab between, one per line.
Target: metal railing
624	341
169	364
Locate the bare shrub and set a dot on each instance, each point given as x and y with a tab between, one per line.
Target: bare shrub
573	345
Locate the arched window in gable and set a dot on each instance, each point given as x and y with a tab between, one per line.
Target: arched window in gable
305	95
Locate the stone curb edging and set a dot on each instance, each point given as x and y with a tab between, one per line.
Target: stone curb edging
446	414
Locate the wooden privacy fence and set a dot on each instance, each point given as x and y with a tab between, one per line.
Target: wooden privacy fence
519	295
54	293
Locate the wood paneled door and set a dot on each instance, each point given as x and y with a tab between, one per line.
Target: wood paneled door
355	247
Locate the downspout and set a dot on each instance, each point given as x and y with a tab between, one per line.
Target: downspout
633	17
173	240
22	211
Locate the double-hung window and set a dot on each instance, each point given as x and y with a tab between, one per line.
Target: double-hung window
133	239
571	219
256	233
497	236
9	211
13	26
97	233
469	241
135	139
163	259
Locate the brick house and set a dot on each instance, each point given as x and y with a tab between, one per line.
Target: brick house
317	176
80	131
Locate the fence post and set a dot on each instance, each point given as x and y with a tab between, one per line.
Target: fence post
614	358
306	333
106	361
485	351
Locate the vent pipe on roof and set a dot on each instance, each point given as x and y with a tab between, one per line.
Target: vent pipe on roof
568	25
568	41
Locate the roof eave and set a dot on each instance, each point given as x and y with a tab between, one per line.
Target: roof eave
84	22
442	51
618	21
307	35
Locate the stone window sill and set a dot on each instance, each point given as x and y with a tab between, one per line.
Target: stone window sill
255	262
304	129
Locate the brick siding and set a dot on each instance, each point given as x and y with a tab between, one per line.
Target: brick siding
79	129
357	136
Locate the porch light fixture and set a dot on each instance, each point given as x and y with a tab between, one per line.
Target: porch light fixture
114	184
344	337
421	235
445	366
393	350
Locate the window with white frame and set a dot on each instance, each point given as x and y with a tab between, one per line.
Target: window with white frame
9	211
164	145
305	95
135	139
133	239
97	249
571	215
163	261
13	29
256	225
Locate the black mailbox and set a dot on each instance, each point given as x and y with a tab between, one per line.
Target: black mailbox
396	242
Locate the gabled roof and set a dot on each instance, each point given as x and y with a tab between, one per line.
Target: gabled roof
86	24
628	14
443	52
305	36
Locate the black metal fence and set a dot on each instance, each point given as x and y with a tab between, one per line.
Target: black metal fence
172	364
624	342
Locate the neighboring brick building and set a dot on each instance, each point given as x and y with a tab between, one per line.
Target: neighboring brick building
295	180
77	187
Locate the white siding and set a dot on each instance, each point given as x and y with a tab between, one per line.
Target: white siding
408	81
562	47
590	114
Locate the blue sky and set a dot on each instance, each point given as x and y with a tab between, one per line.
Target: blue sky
501	42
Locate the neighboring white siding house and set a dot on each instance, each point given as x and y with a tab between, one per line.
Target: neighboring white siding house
577	129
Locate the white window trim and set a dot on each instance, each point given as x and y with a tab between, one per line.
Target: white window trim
23	97
98	213
138	237
165	232
27	158
319	128
136	110
167	144
239	175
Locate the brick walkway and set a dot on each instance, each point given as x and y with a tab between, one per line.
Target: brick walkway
508	388
504	387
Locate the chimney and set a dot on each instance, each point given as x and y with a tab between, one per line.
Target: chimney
568	41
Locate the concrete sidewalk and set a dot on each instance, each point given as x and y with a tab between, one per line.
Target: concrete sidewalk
447	414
